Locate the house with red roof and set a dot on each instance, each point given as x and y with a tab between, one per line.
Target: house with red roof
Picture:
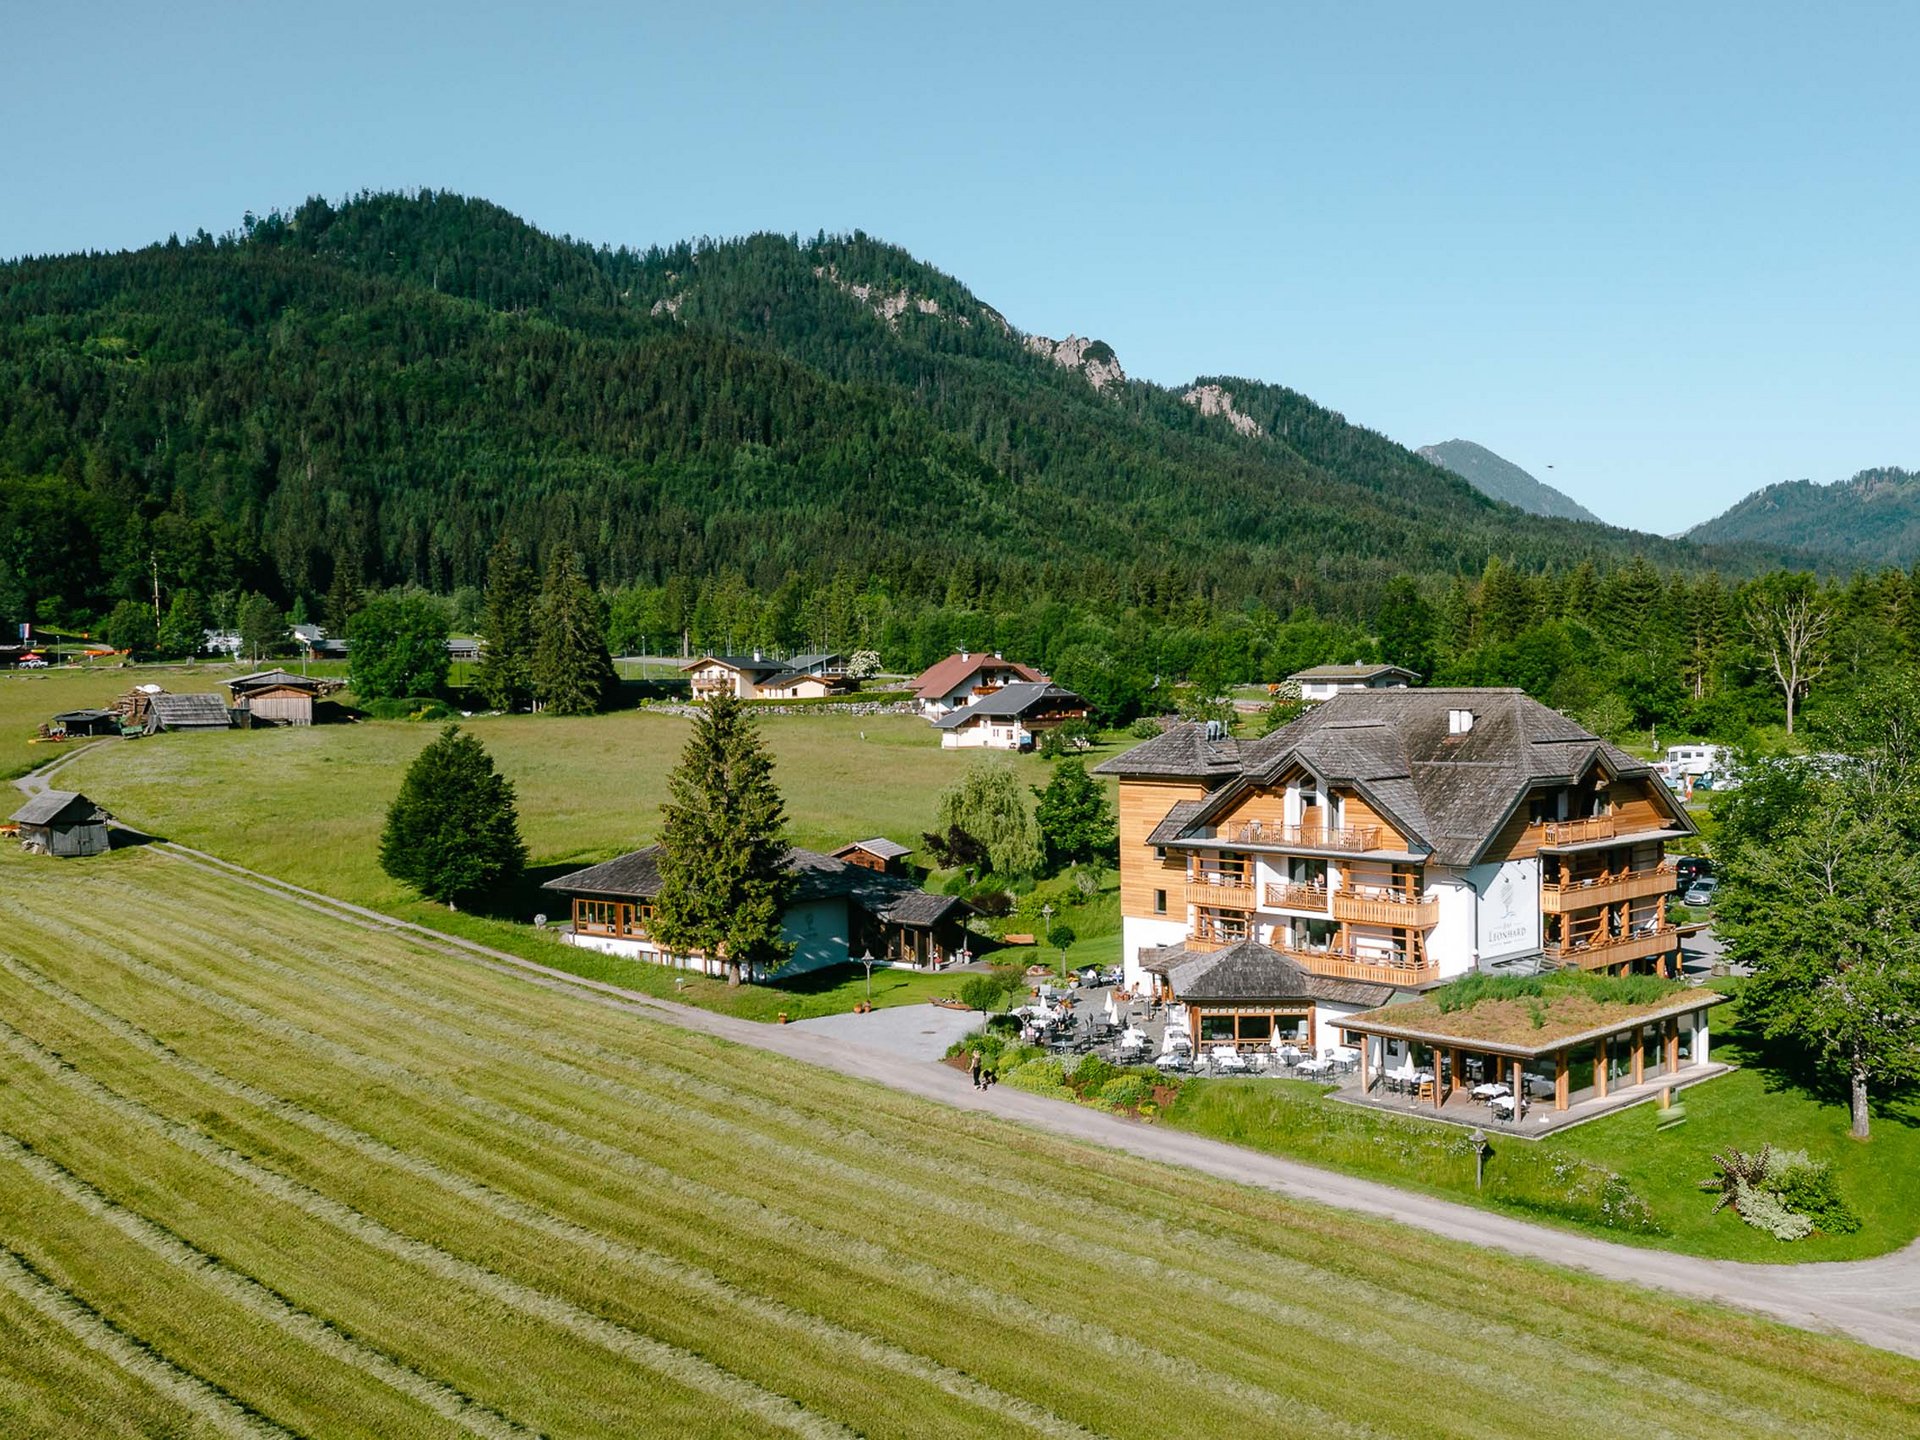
963	678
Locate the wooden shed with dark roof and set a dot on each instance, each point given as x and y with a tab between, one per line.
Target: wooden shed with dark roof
63	822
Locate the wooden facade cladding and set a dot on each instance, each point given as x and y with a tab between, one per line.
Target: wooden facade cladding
1143	805
1401	914
1563	897
1633	812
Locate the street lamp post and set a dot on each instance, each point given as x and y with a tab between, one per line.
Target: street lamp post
1479	1140
1046	929
868	961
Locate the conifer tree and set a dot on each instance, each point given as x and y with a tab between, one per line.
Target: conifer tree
572	671
505	676
724	882
453	832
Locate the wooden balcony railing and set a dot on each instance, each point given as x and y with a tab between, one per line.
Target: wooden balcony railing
1387	907
1560	899
1230	892
1291	896
1605	950
1363	965
1210	933
1305	837
1578	832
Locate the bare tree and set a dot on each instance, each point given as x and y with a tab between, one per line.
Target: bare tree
1791	631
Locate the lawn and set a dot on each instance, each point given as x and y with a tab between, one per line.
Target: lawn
1563	1179
262	1171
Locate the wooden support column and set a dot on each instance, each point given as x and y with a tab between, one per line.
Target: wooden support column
1366	1053
1672	1029
1600	1068
1519	1088
1560	1080
1639	1053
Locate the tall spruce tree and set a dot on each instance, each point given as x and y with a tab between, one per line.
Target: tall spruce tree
572	671
508	627
1076	823
453	832
724	882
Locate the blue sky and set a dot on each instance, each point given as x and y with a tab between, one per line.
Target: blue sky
1668	251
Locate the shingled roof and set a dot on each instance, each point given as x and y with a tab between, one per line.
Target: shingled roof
1252	971
1449	791
944	676
188	712
893	898
51	807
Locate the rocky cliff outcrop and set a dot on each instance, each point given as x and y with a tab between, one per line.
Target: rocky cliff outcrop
1213	400
1092	358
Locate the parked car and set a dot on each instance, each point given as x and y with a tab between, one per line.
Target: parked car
33	662
1688	869
1701	891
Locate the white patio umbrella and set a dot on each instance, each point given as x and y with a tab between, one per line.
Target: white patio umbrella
1113	1010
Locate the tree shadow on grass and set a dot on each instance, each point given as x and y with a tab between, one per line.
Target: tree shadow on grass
522	901
1785	1065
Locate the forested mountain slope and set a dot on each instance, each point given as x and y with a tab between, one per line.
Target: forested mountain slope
378	390
1494	475
1872	519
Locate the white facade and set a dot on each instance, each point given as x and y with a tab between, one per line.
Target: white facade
817	930
1137	934
1507	909
987	733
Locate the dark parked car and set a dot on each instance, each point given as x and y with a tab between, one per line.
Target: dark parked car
1689	869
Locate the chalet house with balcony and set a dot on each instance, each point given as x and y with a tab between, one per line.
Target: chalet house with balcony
1323	682
1010	718
839	912
961	679
736	675
1391	839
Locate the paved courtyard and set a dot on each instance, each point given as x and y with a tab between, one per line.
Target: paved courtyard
915	1032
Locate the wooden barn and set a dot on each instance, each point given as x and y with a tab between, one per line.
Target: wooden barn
165	711
62	822
276	697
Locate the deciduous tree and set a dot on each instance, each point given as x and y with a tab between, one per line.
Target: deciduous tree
990	805
397	647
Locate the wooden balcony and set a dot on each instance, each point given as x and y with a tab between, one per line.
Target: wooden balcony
1297	897
1205	937
1559	899
1577	832
1386	907
1302	837
1606	951
1374	970
1228	892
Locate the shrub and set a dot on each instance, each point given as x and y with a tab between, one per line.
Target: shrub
1145	728
1782	1192
994	903
1043	1075
1810	1188
1126	1092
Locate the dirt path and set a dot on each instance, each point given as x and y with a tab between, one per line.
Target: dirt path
1875	1301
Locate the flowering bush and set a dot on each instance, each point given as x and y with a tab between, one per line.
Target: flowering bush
1783	1192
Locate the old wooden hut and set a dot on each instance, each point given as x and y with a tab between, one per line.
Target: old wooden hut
62	822
276	697
186	712
71	723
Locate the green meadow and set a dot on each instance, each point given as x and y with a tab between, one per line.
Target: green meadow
263	1172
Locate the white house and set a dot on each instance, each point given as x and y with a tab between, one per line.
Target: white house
1009	718
962	678
1323	682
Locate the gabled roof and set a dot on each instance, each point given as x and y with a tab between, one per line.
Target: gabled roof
52	807
273	680
807	662
884	848
189	712
1450	793
893	898
1008	702
1352	672
949	674
748	664
796	675
73	715
1184	752
1252	971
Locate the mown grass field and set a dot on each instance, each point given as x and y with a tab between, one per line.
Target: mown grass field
265	1173
1548	1179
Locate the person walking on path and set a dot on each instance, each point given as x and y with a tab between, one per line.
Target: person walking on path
973	1069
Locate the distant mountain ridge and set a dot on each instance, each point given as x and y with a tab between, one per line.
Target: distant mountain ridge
370	394
1503	480
1872	519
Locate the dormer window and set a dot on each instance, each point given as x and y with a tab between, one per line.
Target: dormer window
1459	722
